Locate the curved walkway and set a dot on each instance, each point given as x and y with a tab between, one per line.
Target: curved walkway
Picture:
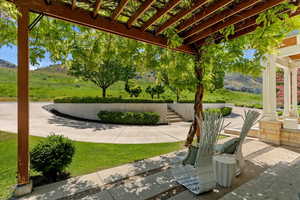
43	123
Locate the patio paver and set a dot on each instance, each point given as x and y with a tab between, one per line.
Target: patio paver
279	182
147	178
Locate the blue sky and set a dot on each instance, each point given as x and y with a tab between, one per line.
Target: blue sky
10	54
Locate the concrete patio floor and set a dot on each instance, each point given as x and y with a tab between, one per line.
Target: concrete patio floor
151	179
43	123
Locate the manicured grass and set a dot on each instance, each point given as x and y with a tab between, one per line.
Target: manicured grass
45	86
89	157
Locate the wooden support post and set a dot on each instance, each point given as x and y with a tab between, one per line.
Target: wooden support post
23	102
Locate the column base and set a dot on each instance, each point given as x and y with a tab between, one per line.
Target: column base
270	116
290	123
270	131
22	190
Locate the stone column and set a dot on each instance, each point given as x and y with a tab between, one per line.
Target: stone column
290	99
269	89
269	126
294	96
287	92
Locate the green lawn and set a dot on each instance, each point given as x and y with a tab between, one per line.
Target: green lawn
89	157
45	86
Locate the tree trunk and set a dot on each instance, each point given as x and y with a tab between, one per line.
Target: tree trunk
103	92
195	129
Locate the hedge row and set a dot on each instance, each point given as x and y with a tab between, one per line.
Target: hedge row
224	111
132	118
119	100
106	100
258	106
206	101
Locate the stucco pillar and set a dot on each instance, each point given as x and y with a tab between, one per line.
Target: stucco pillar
287	92
294	96
290	99
269	89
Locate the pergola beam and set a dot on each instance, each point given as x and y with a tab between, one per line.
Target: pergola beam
142	9
202	14
180	15
160	13
289	51
233	20
97	8
119	9
218	18
286	62
82	17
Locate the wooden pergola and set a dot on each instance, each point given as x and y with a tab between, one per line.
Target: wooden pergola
141	20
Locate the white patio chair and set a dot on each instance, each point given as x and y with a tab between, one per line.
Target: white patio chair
234	146
199	177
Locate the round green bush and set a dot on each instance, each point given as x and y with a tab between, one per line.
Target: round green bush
132	118
225	111
52	155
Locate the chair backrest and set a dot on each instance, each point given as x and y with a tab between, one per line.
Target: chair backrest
250	119
212	126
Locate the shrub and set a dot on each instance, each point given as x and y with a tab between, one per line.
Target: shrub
133	118
52	155
155	90
205	101
132	88
225	111
106	100
159	89
150	91
257	106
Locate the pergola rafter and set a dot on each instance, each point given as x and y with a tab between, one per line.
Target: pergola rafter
218	18
97	8
194	24
160	13
249	25
233	20
119	9
140	12
73	4
202	14
180	15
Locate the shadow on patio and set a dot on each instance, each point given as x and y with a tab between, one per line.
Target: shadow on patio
151	178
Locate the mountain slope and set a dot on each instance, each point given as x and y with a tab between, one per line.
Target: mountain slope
6	64
243	83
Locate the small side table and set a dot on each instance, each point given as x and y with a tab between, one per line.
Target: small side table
224	169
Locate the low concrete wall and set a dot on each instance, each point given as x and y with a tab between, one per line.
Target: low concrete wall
290	137
186	110
90	110
272	132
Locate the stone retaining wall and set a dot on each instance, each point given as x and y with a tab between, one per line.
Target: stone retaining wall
186	110
90	110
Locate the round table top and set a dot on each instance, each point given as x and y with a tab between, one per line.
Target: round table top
225	158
